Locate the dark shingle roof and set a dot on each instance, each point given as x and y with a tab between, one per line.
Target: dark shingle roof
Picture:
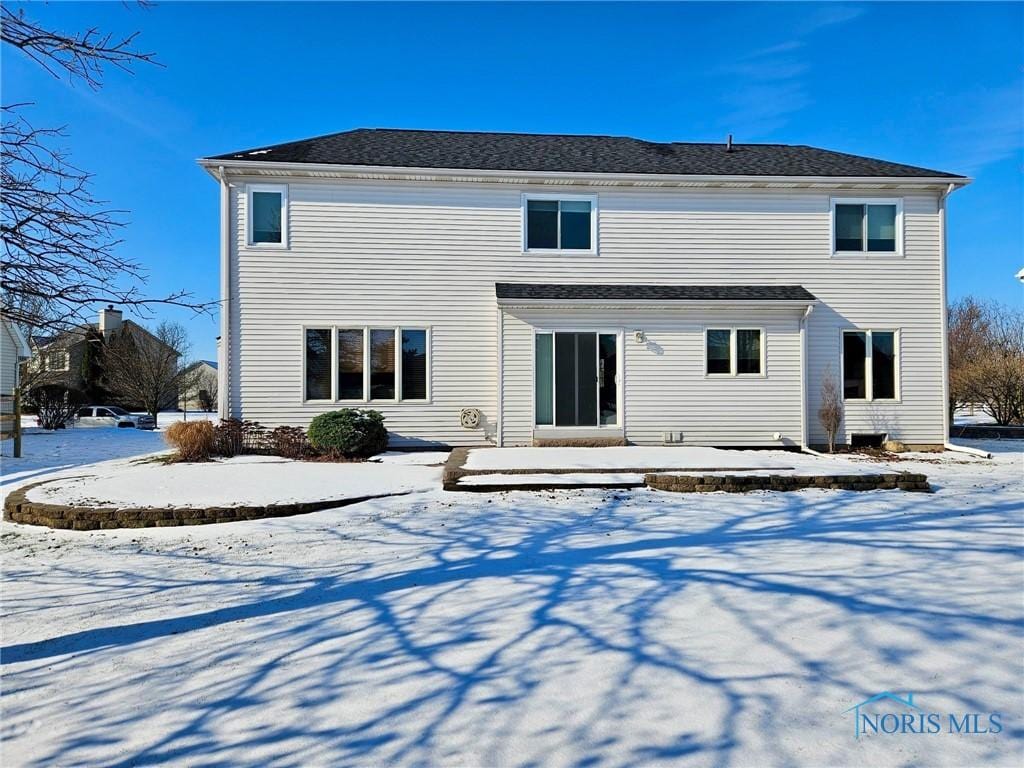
581	154
582	292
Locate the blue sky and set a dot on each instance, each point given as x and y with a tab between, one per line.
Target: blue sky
938	85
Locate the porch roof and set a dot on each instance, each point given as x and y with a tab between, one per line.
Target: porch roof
542	292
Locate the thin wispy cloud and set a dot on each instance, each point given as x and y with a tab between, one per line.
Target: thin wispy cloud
990	128
769	85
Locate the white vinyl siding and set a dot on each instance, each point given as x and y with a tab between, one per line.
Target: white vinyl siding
664	386
388	253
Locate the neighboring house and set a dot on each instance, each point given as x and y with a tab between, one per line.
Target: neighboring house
13	350
64	358
202	389
582	287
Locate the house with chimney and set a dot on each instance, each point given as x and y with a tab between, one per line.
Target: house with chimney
71	358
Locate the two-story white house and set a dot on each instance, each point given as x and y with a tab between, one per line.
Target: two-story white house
518	289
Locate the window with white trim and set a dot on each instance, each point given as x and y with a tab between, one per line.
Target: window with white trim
268	215
865	226
554	223
56	360
366	364
734	352
870	365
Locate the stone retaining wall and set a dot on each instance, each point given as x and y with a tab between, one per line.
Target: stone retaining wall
903	481
18	509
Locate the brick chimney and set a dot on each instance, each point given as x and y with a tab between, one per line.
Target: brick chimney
110	320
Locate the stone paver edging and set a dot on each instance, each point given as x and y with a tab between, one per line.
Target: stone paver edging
19	509
669	479
903	481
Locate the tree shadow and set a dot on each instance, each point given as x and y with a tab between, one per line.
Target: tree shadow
516	629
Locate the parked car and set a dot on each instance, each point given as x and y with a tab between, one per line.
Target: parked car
112	416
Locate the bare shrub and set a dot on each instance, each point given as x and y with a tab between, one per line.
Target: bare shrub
227	438
290	443
830	414
193	439
54	404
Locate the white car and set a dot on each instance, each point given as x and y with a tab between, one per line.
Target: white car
111	416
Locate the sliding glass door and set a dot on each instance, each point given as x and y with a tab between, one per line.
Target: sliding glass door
575	383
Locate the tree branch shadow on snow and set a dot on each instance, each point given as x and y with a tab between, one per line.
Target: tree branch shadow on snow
487	623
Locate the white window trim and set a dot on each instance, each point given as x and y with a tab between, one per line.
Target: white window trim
897	201
281	189
869	366
619	334
65	358
592	199
365	329
733	350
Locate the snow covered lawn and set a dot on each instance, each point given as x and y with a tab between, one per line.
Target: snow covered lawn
239	481
582	628
67	451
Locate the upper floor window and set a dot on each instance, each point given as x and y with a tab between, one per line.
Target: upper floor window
268	215
867	226
57	360
560	223
870	365
733	352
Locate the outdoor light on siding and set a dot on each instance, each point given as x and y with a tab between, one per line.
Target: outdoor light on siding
639	337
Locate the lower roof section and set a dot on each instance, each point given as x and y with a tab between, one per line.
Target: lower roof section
544	292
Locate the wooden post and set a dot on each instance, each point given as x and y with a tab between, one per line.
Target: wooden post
17	423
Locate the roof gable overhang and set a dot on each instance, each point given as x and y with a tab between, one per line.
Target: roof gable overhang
250	168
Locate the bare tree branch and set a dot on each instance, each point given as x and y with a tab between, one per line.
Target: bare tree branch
80	56
60	243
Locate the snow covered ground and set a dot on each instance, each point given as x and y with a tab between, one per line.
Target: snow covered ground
566	478
67	451
239	481
581	628
625	457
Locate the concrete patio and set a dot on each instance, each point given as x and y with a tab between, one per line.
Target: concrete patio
670	468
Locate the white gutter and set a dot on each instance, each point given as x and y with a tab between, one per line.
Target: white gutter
803	377
224	351
215	166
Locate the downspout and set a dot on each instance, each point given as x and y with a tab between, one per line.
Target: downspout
945	334
224	353
501	377
803	381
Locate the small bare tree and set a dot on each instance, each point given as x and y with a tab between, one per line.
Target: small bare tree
830	414
148	369
968	340
998	373
208	394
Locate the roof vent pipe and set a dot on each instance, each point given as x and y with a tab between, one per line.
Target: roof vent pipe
728	143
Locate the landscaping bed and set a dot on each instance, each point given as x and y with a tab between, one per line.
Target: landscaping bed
150	493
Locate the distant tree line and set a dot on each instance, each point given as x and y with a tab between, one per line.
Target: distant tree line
986	359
